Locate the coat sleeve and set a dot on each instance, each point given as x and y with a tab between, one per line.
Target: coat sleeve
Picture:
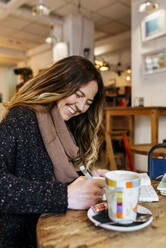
17	194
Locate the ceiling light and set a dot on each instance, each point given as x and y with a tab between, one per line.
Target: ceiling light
104	67
40	9
52	37
50	40
101	65
128	70
60	51
128	78
148	6
119	69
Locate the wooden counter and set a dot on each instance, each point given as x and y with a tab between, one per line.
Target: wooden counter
131	112
75	230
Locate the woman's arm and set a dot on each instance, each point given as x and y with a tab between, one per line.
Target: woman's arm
19	194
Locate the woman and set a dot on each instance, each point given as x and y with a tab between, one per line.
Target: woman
52	126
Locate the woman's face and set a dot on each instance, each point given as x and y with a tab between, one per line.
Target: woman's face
79	102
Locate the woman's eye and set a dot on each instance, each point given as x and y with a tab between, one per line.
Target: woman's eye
78	95
89	103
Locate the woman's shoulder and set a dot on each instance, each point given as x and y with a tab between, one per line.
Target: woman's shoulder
21	112
19	121
20	116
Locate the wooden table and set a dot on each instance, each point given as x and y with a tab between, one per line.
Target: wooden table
131	112
75	230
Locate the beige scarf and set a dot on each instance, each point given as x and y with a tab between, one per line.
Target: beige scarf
59	143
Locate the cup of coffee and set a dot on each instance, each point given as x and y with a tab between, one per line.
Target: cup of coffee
122	194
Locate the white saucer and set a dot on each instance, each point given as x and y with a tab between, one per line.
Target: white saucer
141	209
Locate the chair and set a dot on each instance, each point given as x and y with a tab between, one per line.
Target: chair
118	130
157	161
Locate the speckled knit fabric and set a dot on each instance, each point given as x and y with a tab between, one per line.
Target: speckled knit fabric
27	188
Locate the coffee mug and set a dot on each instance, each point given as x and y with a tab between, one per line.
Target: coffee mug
122	194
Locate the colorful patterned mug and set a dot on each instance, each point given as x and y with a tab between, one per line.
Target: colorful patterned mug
122	194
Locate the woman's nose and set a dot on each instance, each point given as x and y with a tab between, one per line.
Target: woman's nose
80	106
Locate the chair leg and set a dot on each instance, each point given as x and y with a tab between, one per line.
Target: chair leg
127	150
110	158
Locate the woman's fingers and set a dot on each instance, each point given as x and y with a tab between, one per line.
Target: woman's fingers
99	172
83	193
102	172
99	182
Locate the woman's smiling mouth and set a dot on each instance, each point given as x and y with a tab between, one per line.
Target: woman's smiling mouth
71	110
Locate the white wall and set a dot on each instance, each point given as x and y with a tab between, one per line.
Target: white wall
38	58
7	83
152	87
40	61
78	33
3	88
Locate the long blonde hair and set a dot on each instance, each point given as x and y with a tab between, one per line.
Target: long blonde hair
61	80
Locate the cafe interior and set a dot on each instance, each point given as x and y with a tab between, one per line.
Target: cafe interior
125	39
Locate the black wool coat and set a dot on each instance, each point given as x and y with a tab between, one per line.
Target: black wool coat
27	187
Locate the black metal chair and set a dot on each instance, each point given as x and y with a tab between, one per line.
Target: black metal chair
157	164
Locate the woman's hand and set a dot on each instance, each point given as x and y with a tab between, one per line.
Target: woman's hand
83	192
99	172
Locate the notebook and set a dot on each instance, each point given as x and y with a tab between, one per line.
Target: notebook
147	192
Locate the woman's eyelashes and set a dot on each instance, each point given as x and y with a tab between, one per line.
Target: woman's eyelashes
80	95
89	103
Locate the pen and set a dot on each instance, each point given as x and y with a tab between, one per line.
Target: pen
88	175
85	172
